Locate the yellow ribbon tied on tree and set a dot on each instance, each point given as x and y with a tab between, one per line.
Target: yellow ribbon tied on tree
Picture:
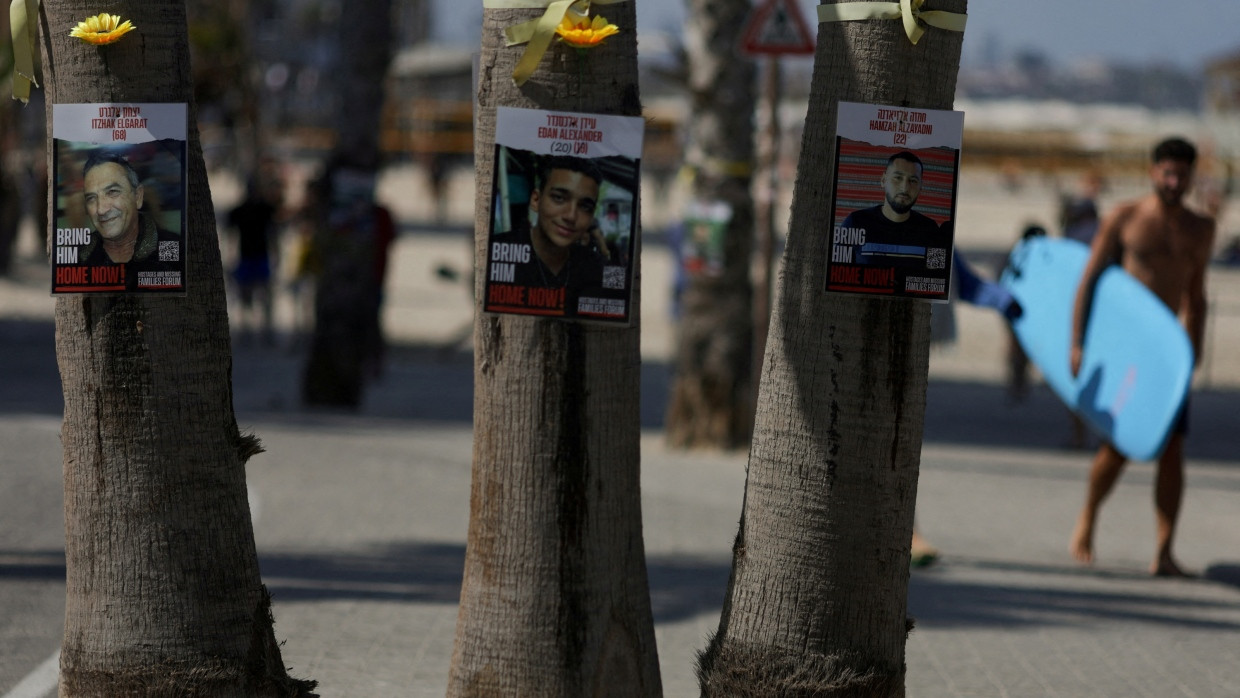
22	16
908	11
538	33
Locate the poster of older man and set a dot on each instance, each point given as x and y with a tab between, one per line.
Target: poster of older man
119	172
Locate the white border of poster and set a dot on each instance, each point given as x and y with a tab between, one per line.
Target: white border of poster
895	191
151	140
594	163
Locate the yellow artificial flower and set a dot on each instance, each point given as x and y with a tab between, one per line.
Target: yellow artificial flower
103	29
583	33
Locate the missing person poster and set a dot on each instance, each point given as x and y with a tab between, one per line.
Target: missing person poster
706	229
564	215
895	199
119	173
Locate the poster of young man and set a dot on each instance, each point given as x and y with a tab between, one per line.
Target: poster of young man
119	173
895	200
564	217
706	227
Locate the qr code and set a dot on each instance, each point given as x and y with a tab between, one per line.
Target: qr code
613	277
169	251
936	257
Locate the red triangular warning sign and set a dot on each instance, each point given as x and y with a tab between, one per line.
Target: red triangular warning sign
777	27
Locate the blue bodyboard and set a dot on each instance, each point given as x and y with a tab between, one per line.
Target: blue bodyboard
1137	360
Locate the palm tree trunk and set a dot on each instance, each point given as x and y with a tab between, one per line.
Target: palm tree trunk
817	600
711	402
554	600
163	589
365	51
347	345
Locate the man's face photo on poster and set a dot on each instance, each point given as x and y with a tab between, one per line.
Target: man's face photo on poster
893	234
892	231
113	194
901	184
563	208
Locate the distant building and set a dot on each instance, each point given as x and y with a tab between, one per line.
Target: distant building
1222	91
429	110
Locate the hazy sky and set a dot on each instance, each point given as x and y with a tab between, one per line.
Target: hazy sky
1184	32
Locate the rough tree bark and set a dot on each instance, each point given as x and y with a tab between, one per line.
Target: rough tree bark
555	600
816	605
366	51
163	589
711	401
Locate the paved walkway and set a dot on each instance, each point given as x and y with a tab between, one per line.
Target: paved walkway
361	519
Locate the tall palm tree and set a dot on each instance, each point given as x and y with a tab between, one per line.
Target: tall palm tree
162	579
351	239
711	401
554	600
816	604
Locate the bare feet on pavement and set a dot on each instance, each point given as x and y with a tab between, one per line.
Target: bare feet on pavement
1166	566
1082	544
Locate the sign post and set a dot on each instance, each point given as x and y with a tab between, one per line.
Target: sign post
775	28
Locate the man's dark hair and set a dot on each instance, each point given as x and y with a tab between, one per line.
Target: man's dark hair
906	156
100	157
1033	230
1176	149
572	164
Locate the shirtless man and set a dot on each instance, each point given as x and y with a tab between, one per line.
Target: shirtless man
1167	248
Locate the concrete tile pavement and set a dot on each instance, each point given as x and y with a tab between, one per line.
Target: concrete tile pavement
363	542
1006	612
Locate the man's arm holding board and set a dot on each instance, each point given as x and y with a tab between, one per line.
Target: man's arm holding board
1104	251
1194	305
